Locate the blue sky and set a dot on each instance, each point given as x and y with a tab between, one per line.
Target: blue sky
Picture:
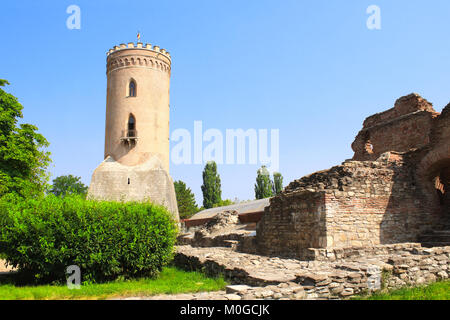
311	69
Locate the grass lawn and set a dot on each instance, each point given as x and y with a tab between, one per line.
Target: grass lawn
435	291
171	280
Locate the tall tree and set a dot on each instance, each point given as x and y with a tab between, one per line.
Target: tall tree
69	184
277	182
187	206
23	159
211	188
264	185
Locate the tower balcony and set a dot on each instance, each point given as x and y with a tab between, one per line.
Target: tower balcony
129	136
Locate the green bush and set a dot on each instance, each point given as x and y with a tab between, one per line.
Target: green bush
107	240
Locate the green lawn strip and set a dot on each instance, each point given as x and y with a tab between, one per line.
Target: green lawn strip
170	281
436	291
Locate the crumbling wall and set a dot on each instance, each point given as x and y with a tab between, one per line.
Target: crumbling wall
405	127
396	188
380	204
359	203
293	221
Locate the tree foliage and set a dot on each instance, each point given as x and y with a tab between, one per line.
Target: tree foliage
224	203
64	185
23	159
187	206
211	188
277	183
264	185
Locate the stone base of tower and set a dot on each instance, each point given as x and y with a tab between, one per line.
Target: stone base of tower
114	181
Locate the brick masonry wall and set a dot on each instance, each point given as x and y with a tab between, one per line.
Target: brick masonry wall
387	194
380	204
406	126
359	203
293	221
405	133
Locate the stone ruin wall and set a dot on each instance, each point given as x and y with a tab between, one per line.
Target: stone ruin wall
354	204
406	126
383	200
293	221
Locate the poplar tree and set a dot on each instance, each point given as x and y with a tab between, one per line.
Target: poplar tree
264	185
278	183
211	188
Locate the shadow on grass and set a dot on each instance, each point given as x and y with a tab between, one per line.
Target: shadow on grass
171	280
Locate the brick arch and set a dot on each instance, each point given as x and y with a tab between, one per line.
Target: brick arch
433	161
433	173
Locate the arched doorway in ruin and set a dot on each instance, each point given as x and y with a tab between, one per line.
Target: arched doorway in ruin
434	173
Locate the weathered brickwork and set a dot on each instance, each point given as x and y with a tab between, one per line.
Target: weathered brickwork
293	221
393	192
408	125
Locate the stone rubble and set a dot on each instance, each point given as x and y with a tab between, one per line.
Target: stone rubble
365	270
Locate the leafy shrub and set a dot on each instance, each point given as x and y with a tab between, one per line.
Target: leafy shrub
107	240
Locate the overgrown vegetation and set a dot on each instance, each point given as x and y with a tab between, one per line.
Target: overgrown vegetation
170	281
107	240
434	291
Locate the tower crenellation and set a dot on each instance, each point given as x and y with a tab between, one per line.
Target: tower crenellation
140	45
138	55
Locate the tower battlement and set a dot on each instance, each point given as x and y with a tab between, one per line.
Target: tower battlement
138	55
139	45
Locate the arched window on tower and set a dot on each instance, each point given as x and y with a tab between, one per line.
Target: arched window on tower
132	89
129	135
131	126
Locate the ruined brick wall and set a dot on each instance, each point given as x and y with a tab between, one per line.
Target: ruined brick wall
396	188
433	168
405	127
293	221
380	204
359	203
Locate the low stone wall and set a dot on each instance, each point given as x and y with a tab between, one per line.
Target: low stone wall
345	273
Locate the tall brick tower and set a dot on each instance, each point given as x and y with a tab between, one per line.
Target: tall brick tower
136	165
